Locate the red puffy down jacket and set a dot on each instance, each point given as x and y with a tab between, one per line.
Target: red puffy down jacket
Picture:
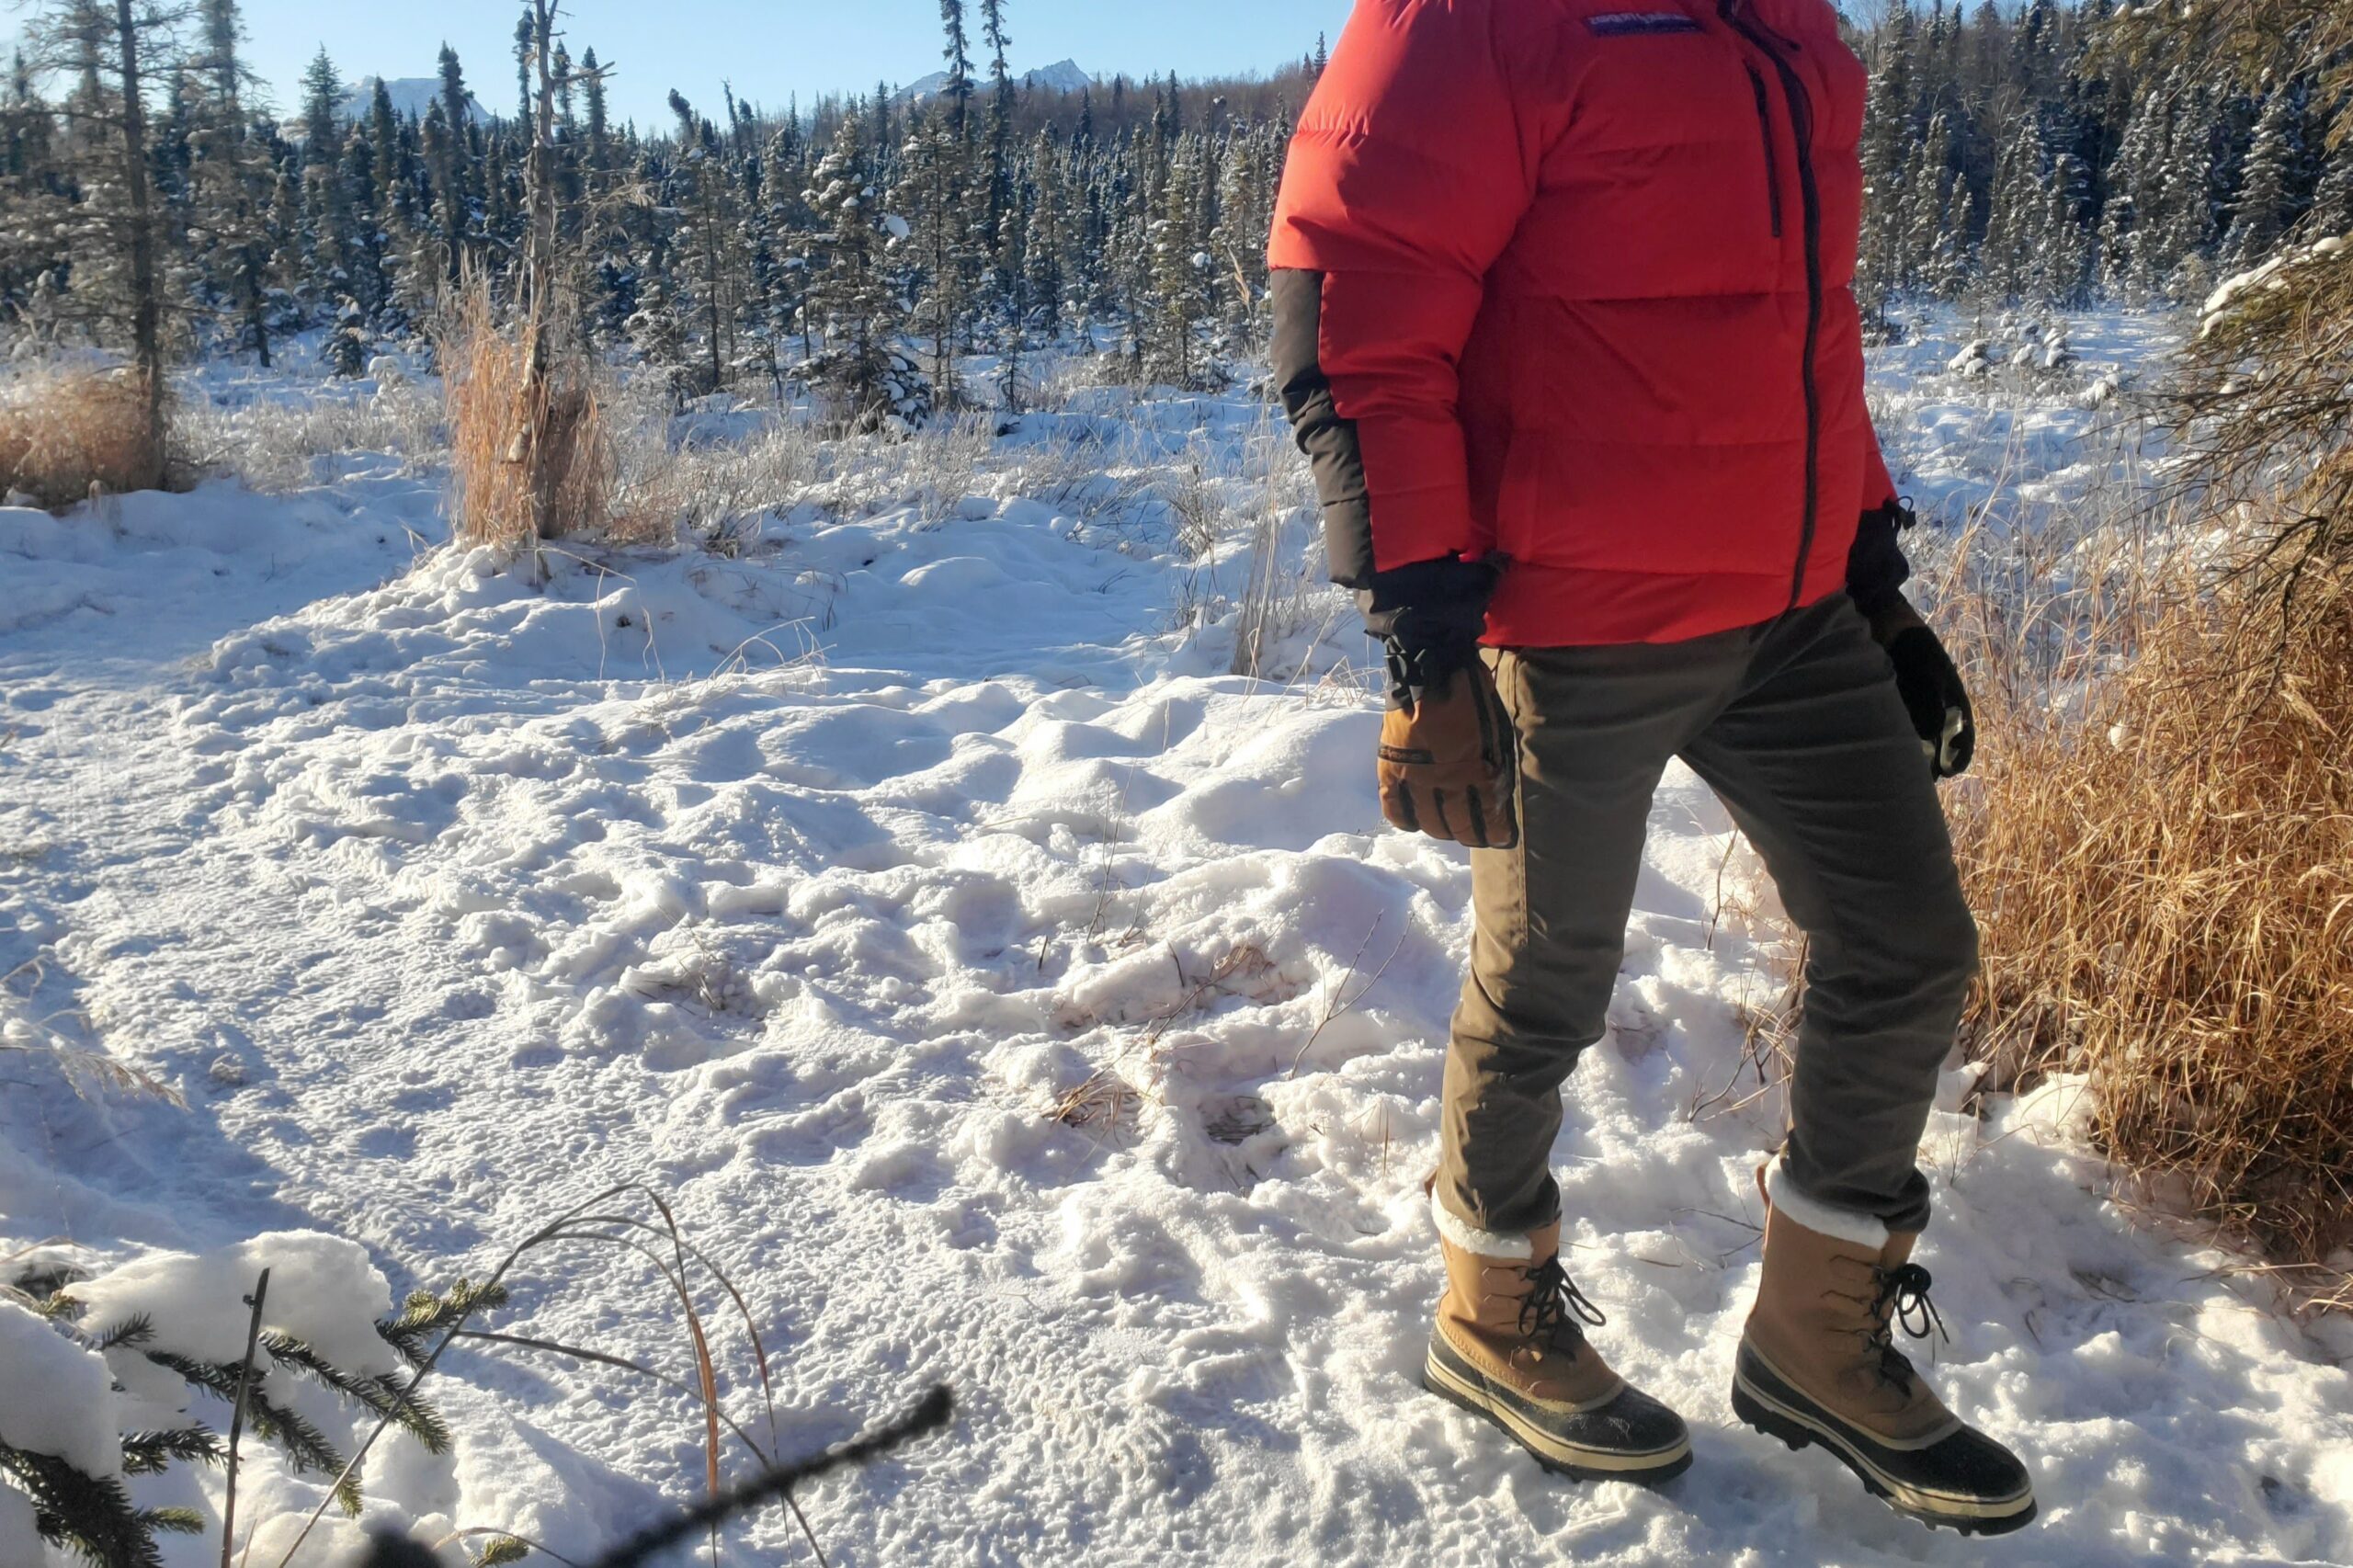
1571	281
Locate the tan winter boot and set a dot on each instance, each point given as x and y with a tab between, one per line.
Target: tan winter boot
1509	1345
1818	1364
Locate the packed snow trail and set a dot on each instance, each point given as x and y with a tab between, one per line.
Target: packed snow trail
1005	998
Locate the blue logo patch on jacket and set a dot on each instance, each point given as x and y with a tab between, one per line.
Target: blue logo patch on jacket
1624	24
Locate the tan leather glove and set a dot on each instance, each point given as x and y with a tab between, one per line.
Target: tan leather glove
1447	761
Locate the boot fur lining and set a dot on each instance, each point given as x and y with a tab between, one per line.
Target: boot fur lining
1474	1241
1822	1219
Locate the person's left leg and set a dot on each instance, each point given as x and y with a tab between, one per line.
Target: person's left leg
1818	763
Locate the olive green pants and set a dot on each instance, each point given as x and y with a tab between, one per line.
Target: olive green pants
1797	727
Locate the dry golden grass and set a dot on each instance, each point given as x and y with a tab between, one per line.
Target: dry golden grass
274	444
529	457
66	434
1106	1101
713	493
2162	859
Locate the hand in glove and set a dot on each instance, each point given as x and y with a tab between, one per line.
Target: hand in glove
1931	687
1447	749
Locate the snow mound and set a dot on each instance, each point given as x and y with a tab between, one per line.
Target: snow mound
324	1291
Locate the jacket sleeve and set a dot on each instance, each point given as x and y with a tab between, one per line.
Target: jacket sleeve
1875	569
1410	171
1879	485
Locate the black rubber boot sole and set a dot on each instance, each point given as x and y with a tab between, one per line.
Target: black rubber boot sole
1463	1388
1778	1420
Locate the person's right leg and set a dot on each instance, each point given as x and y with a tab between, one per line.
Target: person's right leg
1596	727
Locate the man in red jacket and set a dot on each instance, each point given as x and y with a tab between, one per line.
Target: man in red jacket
1564	318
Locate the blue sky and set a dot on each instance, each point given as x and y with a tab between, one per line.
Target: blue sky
771	49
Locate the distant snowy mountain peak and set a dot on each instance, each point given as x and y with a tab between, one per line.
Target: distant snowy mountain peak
1063	76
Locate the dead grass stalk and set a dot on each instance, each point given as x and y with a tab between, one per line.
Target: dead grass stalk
2161	851
529	456
66	436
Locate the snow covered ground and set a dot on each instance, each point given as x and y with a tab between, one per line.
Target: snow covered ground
1005	996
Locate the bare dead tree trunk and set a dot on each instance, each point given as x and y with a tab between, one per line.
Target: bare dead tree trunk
539	252
146	288
536	297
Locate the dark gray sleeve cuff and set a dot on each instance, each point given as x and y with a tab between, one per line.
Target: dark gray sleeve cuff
1875	569
1433	605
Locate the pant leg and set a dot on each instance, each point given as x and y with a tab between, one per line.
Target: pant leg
1596	727
1817	761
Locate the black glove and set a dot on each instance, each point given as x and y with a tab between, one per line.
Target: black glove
1931	688
1876	570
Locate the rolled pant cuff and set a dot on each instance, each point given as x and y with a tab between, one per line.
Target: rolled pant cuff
1476	1242
1822	1219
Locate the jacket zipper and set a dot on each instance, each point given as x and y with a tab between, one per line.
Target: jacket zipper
1772	158
1810	197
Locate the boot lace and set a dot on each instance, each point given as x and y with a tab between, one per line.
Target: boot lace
1554	1299
1902	1301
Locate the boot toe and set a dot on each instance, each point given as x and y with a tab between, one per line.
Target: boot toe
1633	1423
1963	1479
1973	1465
1627	1436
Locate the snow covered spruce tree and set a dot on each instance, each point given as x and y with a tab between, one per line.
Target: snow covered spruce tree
2268	396
231	183
33	196
1182	273
947	210
350	345
853	306
114	51
2037	157
706	240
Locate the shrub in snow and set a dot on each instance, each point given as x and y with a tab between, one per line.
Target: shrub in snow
2221	787
65	433
529	457
101	1378
273	444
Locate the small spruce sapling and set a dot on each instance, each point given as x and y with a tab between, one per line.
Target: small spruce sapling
351	344
95	1517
